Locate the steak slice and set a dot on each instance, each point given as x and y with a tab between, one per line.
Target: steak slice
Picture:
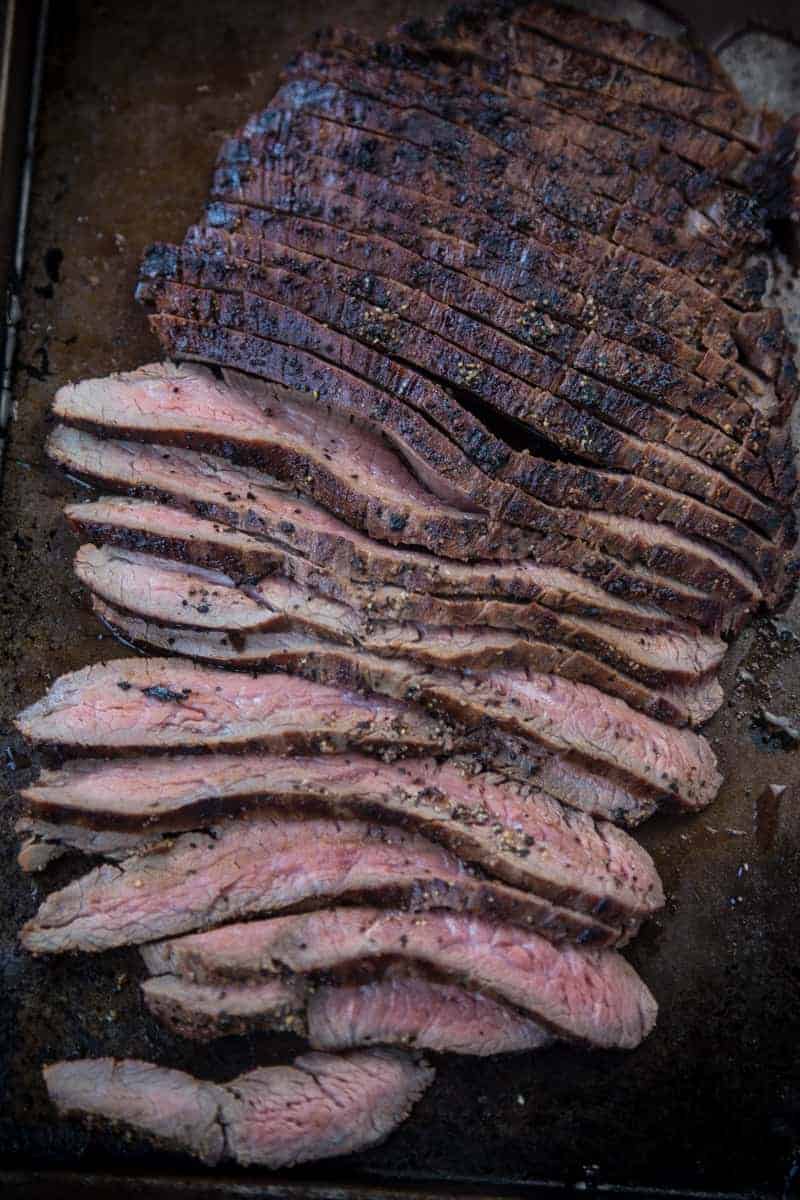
136	704
481	594
44	842
203	1011
674	553
413	1011
572	428
691	454
409	1011
344	465
162	590
441	649
249	501
322	1106
269	864
583	995
544	712
512	831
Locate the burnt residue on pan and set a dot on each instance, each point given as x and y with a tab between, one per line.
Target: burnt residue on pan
136	100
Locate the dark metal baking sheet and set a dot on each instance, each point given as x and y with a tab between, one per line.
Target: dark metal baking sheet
136	100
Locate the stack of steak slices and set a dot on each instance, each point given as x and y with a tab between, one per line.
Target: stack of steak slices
470	449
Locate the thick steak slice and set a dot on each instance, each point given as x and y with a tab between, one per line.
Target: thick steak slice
411	1011
552	487
138	704
512	831
249	501
584	995
322	1106
163	590
480	594
268	864
325	660
344	465
327	265
576	431
207	1010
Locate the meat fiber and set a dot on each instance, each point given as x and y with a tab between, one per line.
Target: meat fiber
513	832
268	864
322	1106
584	995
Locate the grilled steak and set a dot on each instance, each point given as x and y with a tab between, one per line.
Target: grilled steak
267	864
247	500
45	841
583	995
406	1010
513	832
202	1010
578	431
442	649
163	591
322	1106
480	594
410	1011
161	704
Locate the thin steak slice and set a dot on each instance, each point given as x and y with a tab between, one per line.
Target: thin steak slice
268	864
549	714
512	831
208	1010
481	594
411	1011
44	842
322	1106
584	995
136	704
344	465
405	1010
162	590
250	502
375	664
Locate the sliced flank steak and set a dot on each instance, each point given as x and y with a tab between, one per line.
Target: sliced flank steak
249	501
187	405
492	594
512	831
401	1010
584	995
45	841
636	667
249	868
136	704
321	1106
269	309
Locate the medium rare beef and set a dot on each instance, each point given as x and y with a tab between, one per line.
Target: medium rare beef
175	406
661	546
268	864
202	1010
512	831
160	704
549	714
45	841
366	666
344	465
575	430
405	1010
248	501
161	590
411	1011
481	594
585	995
673	448
322	1106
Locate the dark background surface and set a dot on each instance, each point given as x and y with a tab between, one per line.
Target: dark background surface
137	98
